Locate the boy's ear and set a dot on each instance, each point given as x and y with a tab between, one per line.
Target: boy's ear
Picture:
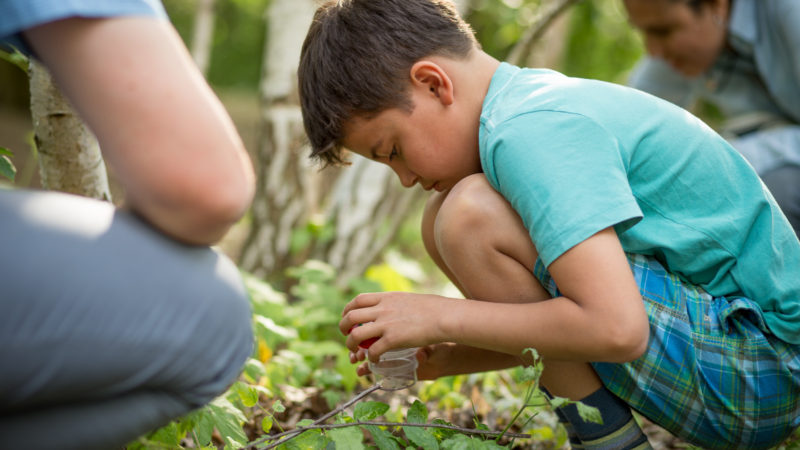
433	78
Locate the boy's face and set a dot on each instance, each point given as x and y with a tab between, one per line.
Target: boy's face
433	145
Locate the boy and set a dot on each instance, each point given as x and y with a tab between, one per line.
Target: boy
613	232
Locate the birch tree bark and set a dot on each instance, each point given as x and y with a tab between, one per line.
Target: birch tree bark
202	34
69	156
363	201
287	190
550	11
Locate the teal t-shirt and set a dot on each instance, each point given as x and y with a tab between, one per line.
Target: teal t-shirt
575	156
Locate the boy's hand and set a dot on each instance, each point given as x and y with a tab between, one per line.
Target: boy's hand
432	360
395	319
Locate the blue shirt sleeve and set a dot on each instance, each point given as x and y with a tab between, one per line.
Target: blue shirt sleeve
565	176
19	15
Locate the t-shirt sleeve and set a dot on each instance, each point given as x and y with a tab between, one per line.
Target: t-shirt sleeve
564	174
18	15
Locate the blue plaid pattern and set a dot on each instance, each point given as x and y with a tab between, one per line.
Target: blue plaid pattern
712	375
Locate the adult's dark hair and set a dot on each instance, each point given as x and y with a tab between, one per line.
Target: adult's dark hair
357	56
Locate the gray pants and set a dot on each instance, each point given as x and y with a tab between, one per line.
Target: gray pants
107	328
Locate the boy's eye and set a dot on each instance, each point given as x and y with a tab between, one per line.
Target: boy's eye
393	153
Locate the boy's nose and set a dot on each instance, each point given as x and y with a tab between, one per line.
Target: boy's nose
407	177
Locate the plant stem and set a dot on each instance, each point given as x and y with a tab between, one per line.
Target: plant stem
291	434
400	424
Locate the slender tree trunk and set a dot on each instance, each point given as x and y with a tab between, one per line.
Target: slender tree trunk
287	191
363	202
367	206
202	34
69	156
523	51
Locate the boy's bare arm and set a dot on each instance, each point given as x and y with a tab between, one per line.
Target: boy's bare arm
601	317
161	129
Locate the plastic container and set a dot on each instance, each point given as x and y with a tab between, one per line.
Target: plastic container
397	369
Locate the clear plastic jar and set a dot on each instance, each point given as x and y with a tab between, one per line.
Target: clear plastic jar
397	369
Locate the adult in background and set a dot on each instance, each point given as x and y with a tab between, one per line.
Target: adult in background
743	56
113	322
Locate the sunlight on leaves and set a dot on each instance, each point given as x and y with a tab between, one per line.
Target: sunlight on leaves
388	278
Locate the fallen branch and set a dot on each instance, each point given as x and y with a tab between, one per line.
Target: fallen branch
318	425
401	424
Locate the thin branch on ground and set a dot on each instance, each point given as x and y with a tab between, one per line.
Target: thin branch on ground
401	424
327	416
285	436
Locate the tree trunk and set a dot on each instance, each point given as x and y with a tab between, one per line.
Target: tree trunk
523	51
367	206
286	193
202	34
69	156
362	202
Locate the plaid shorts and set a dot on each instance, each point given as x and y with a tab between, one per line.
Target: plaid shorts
713	374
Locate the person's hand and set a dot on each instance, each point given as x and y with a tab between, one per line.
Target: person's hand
433	360
396	319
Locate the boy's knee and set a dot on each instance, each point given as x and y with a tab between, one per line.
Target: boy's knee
471	208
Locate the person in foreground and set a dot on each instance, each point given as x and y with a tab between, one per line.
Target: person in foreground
612	231
741	56
115	321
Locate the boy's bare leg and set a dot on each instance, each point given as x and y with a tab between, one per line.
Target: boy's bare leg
479	241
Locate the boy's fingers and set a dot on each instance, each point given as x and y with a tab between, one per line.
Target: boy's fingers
361	301
363	370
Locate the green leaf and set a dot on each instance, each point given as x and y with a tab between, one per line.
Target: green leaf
369	410
557	402
278	407
529	373
311	439
463	442
589	413
270	325
421	437
247	394
228	420
205	426
266	424
442	433
418	413
383	439
167	435
347	438
7	168
16	57
305	423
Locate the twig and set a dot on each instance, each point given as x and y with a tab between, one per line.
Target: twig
291	434
317	424
402	424
523	47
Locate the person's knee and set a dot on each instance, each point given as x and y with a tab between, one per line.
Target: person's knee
224	336
470	211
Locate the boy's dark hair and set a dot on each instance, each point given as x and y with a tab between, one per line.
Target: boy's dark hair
357	56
